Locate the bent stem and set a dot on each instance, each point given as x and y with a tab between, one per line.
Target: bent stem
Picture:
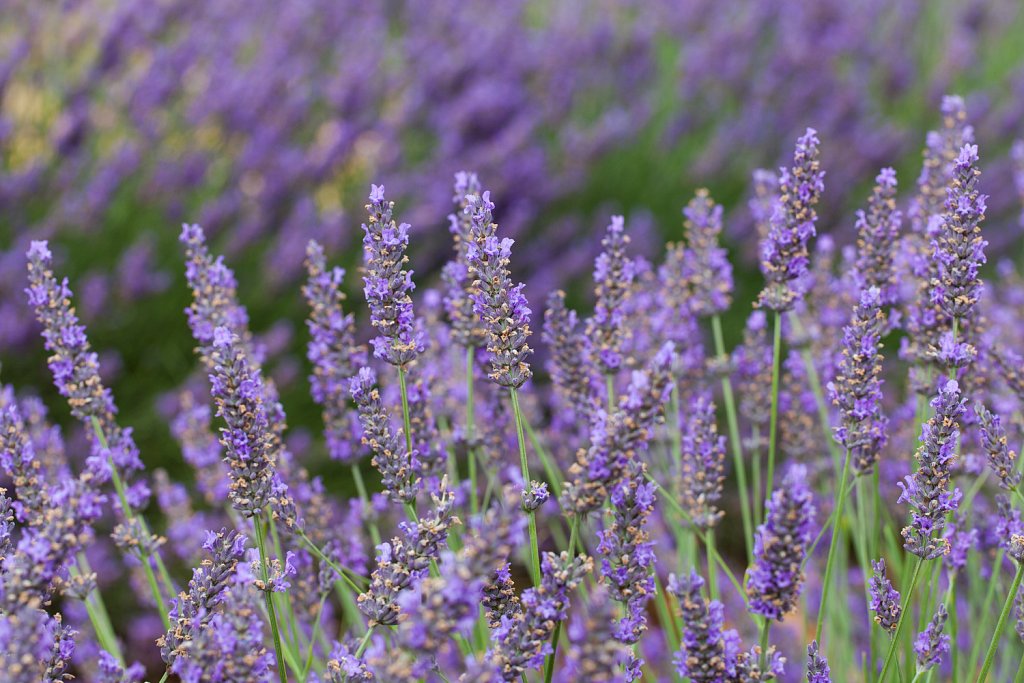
271	614
734	439
528	483
1001	624
773	425
832	547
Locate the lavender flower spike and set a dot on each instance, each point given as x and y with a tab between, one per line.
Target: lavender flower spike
1001	459
707	268
614	272
817	666
857	389
931	645
570	372
388	284
499	304
703	464
775	580
784	253
458	304
885	600
332	349
702	656
878	228
927	489
595	654
248	442
959	247
396	465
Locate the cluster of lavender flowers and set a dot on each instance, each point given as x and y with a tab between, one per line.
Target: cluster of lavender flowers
412	543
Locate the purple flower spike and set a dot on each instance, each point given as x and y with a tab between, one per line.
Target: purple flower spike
959	246
614	273
885	600
332	350
784	253
706	268
396	465
857	389
817	666
878	228
1002	460
497	302
775	580
703	464
931	645
570	372
927	490
465	326
387	284
702	656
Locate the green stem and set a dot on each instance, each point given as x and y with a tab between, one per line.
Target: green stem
312	640
734	439
364	496
907	596
864	552
271	615
986	608
406	421
709	544
1019	678
528	483
342	572
609	383
773	424
765	628
755	511
833	546
364	642
97	610
471	431
1001	624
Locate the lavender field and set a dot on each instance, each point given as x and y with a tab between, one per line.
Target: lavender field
533	341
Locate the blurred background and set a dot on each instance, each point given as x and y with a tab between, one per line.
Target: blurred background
265	121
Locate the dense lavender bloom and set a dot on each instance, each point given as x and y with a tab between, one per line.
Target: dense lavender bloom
927	489
595	655
332	350
702	471
193	609
236	387
703	656
940	152
395	463
614	273
707	268
629	552
570	372
1002	460
878	228
111	671
784	255
497	302
931	645
343	665
817	666
388	284
214	295
959	247
35	646
18	460
780	548
466	329
521	641
401	562
753	362
499	596
857	389
75	368
885	600
616	439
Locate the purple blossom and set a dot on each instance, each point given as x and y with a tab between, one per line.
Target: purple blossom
570	372
878	228
702	472
614	272
396	464
927	490
466	329
885	600
780	548
704	656
501	305
388	285
1001	459
817	666
784	255
707	268
931	645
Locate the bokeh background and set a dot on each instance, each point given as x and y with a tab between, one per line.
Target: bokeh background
266	120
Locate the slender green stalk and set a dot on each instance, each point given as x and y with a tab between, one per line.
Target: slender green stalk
312	640
1001	624
907	596
986	608
826	584
528	483
471	431
357	477
765	628
551	469
709	543
342	572
406	421
549	663
271	614
773	425
734	438
756	503
1019	678
364	642
864	552
129	515
97	610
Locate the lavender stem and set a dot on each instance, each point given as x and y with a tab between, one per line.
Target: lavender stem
528	484
774	420
257	524
1001	624
832	547
907	596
